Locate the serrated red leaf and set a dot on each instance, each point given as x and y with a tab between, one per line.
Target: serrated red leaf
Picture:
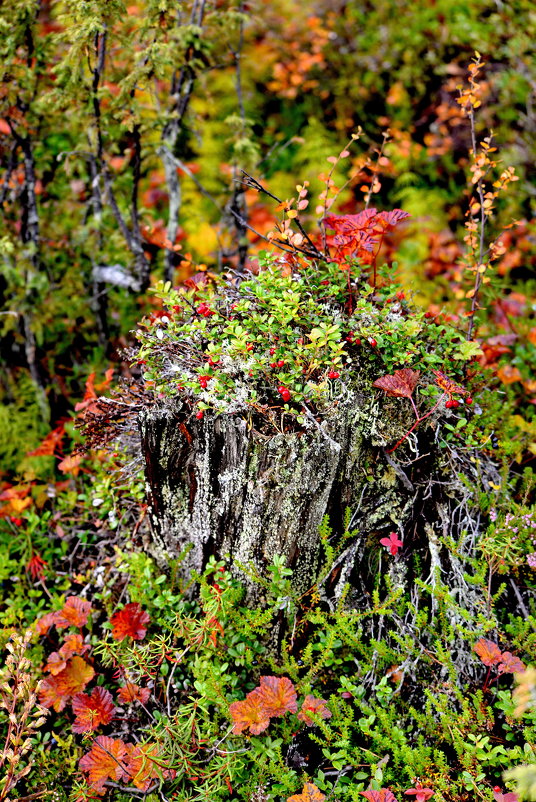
92	710
388	220
312	705
401	383
382	795
310	793
106	760
249	713
130	622
510	664
74	613
392	543
130	693
278	696
420	793
488	651
44	624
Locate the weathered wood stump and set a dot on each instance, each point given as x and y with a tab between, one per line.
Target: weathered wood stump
220	487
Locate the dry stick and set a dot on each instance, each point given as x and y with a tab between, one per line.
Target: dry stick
254	184
480	190
181	87
100	297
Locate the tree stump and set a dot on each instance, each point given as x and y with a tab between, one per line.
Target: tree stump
219	486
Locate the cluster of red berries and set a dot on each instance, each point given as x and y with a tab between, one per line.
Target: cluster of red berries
204	380
452	403
284	392
204	310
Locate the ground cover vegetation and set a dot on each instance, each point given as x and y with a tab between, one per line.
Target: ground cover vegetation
259	210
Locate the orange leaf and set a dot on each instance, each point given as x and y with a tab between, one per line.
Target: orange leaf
400	384
71	464
92	711
310	793
447	384
104	761
312	705
44	623
133	693
249	713
278	696
508	374
20	504
75	613
130	622
488	651
56	691
510	664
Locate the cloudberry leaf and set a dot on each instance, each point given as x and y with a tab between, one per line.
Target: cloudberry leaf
93	710
510	664
278	696
400	384
105	761
130	622
312	705
310	793
488	651
250	713
44	623
388	220
75	613
133	693
382	795
56	691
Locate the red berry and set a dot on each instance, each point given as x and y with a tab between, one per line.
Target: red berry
325	282
272	351
401	295
205	310
280	388
469	401
358	341
333	374
428	315
199	414
249	347
389	300
452	403
300	341
285	395
373	342
177	309
280	363
273	364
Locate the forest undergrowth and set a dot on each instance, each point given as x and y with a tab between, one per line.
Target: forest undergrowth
183	224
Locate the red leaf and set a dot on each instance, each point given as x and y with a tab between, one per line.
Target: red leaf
421	794
389	220
488	651
392	543
447	384
382	795
310	793
312	705
92	711
105	761
400	384
278	696
75	613
510	664
249	713
133	693
130	622
350	224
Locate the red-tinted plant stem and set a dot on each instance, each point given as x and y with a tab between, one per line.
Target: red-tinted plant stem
419	420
